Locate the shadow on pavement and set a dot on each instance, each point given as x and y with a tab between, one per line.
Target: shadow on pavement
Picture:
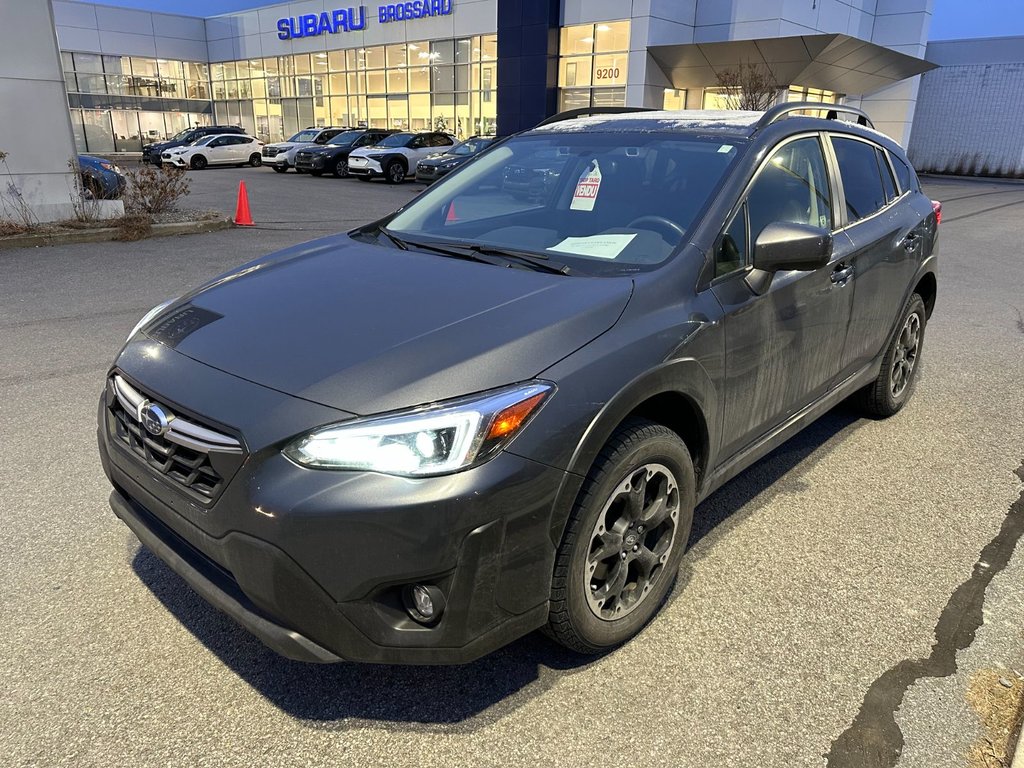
459	698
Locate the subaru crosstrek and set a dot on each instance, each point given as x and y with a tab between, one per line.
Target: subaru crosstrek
480	416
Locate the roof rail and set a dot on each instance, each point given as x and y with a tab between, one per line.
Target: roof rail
831	112
569	114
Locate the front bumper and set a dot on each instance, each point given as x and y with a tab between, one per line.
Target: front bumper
309	163
175	160
361	166
313	562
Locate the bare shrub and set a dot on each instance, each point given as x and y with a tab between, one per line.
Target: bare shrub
133	226
84	194
154	190
14	207
748	86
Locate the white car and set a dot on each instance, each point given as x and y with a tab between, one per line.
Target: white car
396	157
220	149
281	156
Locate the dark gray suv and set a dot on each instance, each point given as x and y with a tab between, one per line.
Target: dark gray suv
487	413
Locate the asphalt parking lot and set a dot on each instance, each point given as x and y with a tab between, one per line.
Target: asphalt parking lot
824	612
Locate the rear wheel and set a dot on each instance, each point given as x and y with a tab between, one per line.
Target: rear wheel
895	383
341	169
255	160
198	162
626	535
394	173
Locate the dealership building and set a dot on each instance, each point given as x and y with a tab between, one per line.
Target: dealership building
470	66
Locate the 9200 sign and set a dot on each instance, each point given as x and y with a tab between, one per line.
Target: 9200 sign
606	73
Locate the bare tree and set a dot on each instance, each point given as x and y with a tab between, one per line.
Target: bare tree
748	86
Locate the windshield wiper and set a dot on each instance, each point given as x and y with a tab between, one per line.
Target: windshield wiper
499	257
398	242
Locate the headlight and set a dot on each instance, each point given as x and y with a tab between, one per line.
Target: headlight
436	440
149	316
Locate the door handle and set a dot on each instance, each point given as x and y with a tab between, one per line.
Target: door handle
842	274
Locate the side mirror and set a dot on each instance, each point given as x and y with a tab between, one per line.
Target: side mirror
784	245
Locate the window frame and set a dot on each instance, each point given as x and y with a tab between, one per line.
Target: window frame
831	172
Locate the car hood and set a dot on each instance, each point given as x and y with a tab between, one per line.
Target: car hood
368	328
375	149
292	144
326	149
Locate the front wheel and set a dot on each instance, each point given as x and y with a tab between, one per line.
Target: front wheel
255	160
341	169
281	167
624	540
364	178
895	383
316	173
394	173
198	162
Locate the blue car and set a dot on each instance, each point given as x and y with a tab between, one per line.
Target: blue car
101	179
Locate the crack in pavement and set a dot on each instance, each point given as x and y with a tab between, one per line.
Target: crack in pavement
874	740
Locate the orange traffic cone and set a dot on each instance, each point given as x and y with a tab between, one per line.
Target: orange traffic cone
242	216
452	216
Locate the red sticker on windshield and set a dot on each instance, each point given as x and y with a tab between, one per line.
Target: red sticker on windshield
587	187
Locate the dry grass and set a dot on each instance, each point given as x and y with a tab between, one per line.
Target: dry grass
1001	711
9	228
134	227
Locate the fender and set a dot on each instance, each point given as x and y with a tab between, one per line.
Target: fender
387	159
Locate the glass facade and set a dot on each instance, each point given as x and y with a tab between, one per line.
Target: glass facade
593	65
426	85
119	103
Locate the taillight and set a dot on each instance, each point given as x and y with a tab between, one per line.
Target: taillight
937	207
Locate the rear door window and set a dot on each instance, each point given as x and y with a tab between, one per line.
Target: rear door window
862	181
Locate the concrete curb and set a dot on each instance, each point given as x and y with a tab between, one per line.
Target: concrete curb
1018	754
105	234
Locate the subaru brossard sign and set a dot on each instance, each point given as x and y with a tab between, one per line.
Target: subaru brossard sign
353	19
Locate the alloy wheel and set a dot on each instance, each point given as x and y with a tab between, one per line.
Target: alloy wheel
341	169
396	173
907	345
631	541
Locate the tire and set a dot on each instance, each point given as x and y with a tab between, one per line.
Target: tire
341	169
280	168
255	160
394	173
895	383
638	451
299	170
198	162
316	173
364	178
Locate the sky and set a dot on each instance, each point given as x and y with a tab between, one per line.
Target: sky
952	18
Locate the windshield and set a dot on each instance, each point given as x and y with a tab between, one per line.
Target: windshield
181	135
470	147
203	141
345	138
396	140
605	203
304	136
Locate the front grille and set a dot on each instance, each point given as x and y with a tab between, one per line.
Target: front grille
195	458
270	151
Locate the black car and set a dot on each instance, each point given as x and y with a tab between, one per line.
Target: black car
475	417
535	176
151	152
333	156
436	166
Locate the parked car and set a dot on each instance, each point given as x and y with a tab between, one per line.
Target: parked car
332	157
469	419
281	156
534	178
434	167
228	149
101	179
152	153
395	157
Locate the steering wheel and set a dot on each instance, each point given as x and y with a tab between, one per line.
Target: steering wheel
666	225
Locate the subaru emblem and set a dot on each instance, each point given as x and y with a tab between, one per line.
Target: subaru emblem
154	419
